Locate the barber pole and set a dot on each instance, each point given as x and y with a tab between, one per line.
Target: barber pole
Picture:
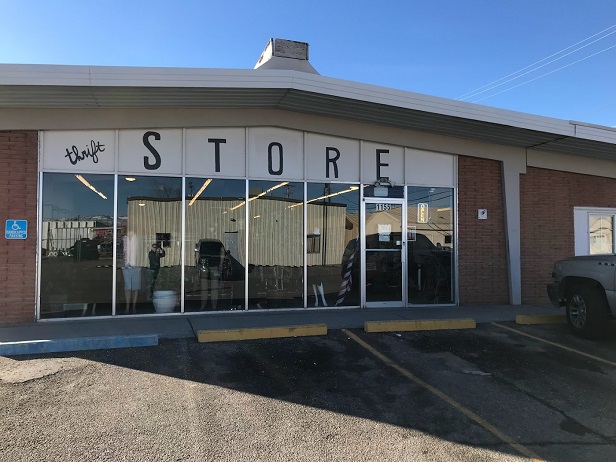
347	279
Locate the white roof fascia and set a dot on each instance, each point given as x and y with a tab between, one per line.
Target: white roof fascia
113	76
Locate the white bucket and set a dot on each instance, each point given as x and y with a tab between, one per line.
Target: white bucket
164	301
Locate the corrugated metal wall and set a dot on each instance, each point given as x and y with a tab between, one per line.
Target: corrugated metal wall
276	233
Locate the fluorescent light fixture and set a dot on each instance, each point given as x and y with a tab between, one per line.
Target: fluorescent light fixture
352	188
141	204
203	186
238	205
261	194
86	183
130	178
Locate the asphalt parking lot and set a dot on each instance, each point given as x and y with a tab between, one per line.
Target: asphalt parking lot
498	392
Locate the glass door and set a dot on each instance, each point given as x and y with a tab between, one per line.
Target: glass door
384	258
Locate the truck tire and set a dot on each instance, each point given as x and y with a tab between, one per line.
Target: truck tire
587	311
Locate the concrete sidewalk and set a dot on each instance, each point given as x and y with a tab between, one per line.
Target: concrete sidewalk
184	326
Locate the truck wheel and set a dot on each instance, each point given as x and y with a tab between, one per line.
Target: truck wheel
587	312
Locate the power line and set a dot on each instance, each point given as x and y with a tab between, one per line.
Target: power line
543	75
496	84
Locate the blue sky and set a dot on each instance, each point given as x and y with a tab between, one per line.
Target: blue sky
442	48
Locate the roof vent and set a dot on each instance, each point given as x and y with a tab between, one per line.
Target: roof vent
285	55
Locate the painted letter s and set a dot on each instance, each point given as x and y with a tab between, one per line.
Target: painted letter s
152	149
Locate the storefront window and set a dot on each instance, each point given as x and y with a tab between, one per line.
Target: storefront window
77	245
332	250
275	246
215	245
430	245
150	244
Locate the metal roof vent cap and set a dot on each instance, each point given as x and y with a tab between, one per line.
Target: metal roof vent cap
286	55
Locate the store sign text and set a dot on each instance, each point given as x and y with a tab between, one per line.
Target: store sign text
74	155
237	152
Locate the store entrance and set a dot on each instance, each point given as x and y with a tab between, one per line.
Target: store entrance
384	255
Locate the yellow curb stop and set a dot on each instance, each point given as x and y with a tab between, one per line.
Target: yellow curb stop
418	325
255	333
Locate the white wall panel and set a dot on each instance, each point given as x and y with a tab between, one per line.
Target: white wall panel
151	151
381	160
425	168
275	154
330	158
79	151
202	158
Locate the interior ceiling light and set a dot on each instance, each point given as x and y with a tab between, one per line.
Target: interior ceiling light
352	188
130	178
261	194
86	183
141	204
203	186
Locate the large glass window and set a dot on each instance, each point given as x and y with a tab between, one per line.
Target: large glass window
77	245
332	250
215	247
150	242
430	244
275	245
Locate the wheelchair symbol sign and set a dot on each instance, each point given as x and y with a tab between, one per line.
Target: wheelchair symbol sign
16	229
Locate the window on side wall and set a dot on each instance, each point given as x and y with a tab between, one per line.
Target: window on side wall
594	231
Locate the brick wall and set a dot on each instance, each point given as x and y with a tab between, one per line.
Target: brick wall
18	200
482	247
548	198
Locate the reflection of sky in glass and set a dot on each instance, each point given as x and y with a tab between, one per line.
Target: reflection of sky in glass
216	188
285	189
147	186
350	198
436	197
66	197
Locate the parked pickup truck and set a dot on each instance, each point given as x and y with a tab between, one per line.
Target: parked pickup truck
585	285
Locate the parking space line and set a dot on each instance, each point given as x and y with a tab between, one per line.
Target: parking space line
558	345
438	393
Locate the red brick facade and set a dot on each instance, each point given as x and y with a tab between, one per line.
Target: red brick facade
548	198
482	247
18	200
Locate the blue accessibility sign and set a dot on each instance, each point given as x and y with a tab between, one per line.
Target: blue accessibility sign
16	229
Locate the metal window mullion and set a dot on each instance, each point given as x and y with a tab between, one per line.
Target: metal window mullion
305	246
246	224
405	252
182	243
39	227
114	282
183	225
455	264
114	260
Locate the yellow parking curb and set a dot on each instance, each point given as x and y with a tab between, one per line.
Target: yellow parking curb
541	319
226	335
416	325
